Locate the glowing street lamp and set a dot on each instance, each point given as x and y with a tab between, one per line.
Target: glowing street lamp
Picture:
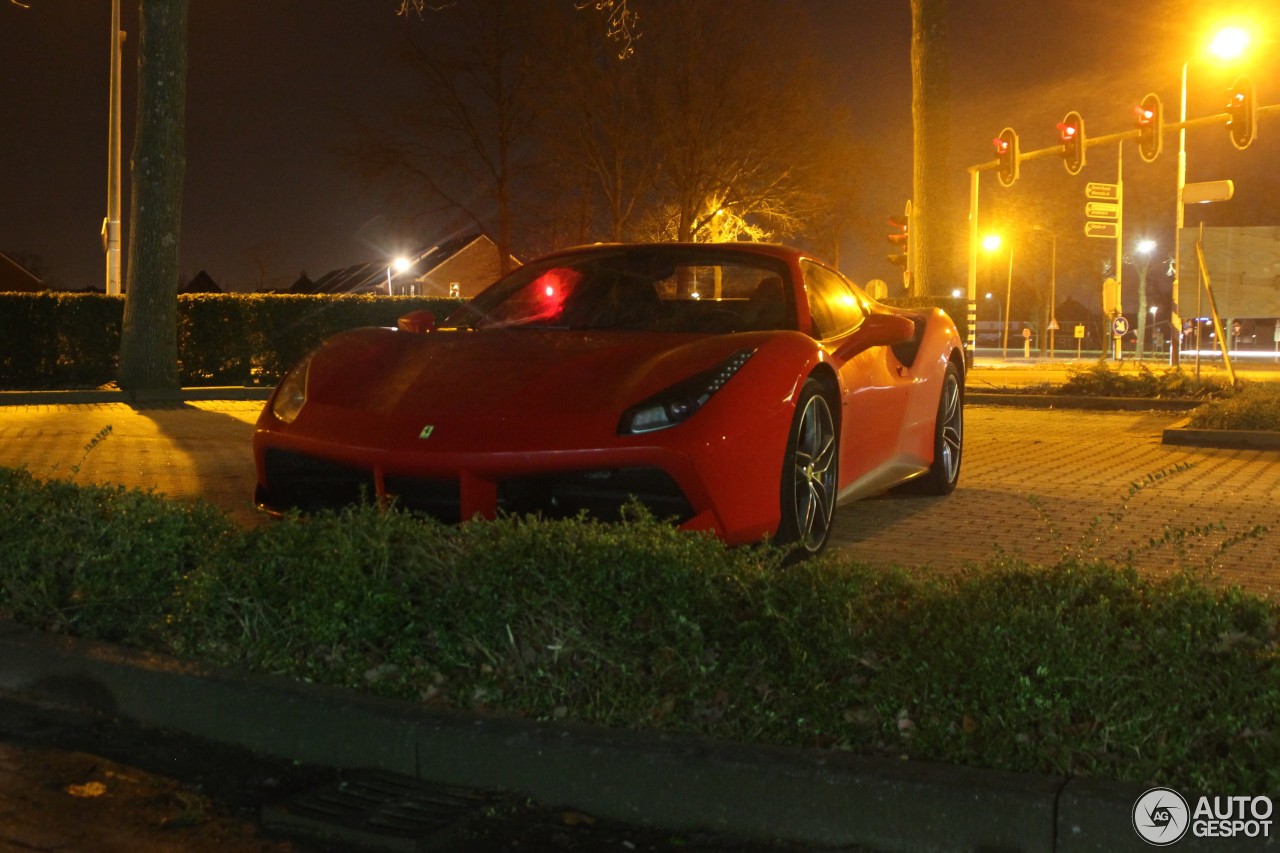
992	243
400	264
1228	43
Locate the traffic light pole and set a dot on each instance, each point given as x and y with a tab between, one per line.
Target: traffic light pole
1089	142
973	263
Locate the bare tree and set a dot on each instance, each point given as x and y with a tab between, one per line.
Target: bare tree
590	137
732	124
621	21
149	335
468	140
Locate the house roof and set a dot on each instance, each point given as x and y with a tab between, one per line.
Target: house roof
372	276
14	277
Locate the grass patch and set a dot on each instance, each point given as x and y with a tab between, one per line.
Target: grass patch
1079	668
1254	407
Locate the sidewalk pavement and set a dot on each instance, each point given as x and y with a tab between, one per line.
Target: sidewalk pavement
1033	482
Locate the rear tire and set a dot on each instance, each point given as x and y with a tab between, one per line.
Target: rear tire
948	439
810	470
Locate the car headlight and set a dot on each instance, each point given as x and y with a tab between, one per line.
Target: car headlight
679	402
291	395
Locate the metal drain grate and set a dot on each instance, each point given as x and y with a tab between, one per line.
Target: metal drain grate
383	810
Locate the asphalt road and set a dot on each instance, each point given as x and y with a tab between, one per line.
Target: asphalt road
1035	484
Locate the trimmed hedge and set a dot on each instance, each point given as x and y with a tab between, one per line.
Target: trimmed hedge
1077	668
72	340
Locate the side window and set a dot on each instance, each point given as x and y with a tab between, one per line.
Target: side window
833	303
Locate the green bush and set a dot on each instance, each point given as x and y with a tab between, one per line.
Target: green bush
1101	380
1077	668
1255	407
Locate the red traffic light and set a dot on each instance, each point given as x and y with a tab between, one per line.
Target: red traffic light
1150	120
899	237
1007	156
1071	132
1242	113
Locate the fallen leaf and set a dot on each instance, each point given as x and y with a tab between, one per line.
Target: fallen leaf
87	790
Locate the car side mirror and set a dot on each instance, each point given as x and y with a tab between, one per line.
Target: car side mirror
878	330
417	321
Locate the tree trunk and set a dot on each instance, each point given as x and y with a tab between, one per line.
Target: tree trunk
149	336
932	209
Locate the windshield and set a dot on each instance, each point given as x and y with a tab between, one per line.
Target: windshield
649	289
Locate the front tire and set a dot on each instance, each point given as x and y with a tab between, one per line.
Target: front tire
809	473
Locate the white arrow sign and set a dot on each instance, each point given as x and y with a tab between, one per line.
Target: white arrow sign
1107	192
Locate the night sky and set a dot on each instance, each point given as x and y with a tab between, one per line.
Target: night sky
274	88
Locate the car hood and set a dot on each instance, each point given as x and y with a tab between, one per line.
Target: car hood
517	378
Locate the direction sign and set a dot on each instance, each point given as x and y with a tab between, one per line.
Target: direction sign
1100	229
1206	191
1102	210
1107	192
1079	330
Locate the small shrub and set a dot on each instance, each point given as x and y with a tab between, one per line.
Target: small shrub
1101	380
1255	407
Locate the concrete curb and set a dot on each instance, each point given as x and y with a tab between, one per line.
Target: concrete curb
1239	439
1067	401
679	782
175	395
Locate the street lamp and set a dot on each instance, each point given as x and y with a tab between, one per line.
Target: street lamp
1229	43
991	243
999	313
1053	283
400	264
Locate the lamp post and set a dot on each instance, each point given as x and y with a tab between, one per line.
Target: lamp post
992	243
999	310
111	224
1053	283
1228	43
400	264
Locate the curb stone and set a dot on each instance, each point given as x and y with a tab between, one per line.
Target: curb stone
674	781
1243	439
1069	401
173	395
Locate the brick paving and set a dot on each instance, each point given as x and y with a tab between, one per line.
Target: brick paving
1035	484
1041	485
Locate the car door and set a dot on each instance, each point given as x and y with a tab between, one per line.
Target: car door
874	383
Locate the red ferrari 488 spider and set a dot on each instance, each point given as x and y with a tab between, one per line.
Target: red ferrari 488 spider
743	389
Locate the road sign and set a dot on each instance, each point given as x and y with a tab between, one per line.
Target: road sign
1079	330
1107	192
1205	191
1101	229
1120	326
1102	210
1053	326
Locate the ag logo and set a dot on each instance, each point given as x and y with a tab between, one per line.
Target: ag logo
426	431
1161	817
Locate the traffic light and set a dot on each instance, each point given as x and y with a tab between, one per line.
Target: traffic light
1150	127
900	238
1007	156
1242	113
1071	130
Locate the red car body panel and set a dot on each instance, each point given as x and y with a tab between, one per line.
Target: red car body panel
478	410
